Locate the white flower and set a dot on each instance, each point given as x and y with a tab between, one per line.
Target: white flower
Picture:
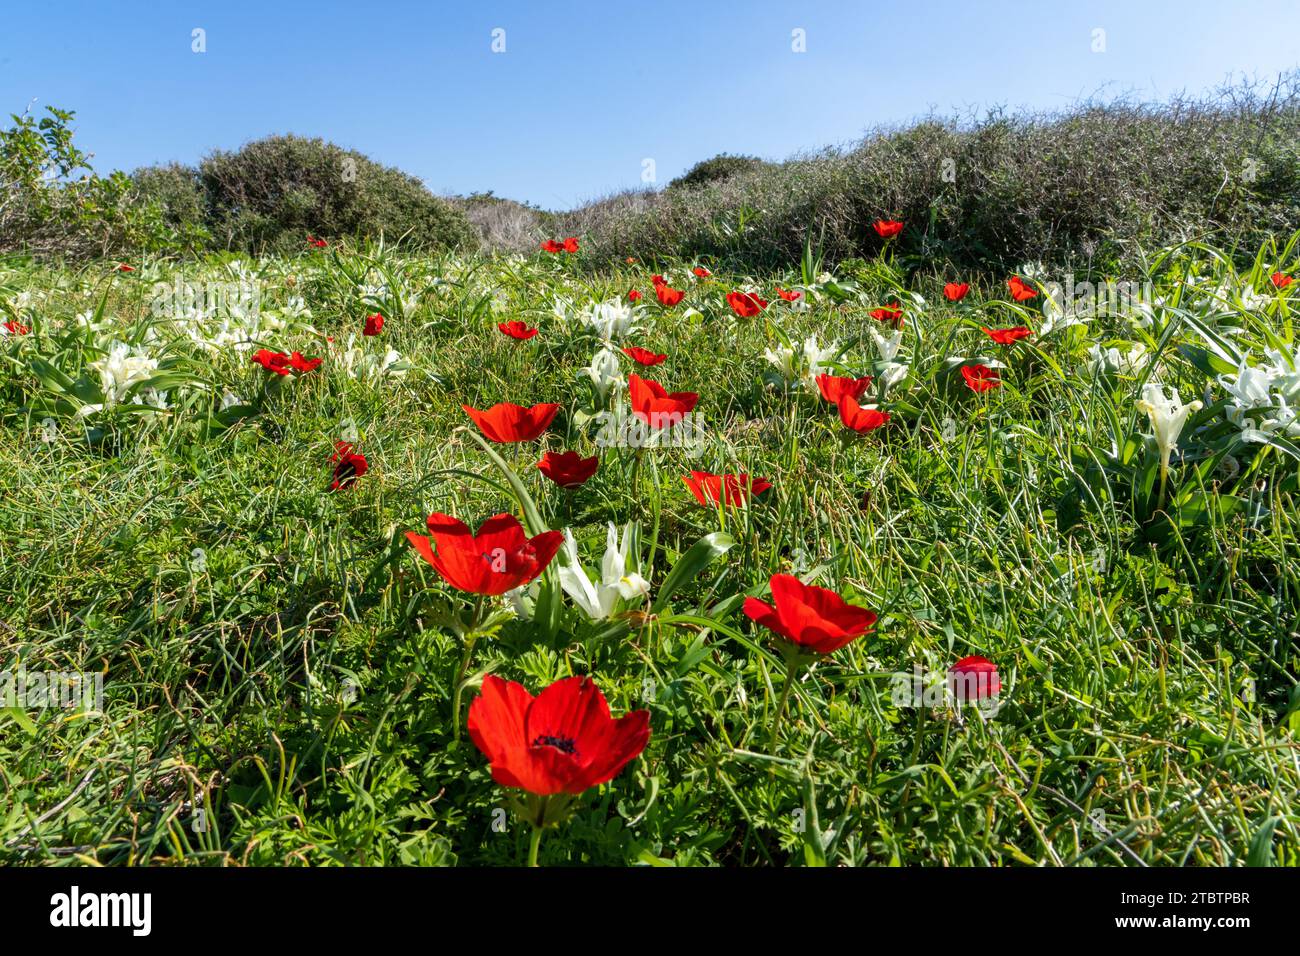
120	369
1249	388
1056	316
599	601
1284	370
1168	416
783	358
610	320
891	375
523	599
604	372
816	359
229	399
804	364
887	345
370	367
1113	361
1284	420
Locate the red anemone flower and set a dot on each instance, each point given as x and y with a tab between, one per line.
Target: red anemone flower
276	362
655	405
887	228
504	422
568	469
516	329
788	295
702	272
974	678
956	291
1019	291
745	304
1008	336
834	387
1280	280
316	243
656	279
633	295
643	356
499	558
125	268
890	313
630	260
861	420
550	245
731	490
16	328
348	466
980	378
812	618
300	363
374	324
570	244
667	295
564	740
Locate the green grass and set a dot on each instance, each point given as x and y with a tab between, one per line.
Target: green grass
1149	708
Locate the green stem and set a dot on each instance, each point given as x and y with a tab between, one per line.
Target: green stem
636	479
533	844
457	687
791	672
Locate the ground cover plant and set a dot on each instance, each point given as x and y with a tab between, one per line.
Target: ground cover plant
389	558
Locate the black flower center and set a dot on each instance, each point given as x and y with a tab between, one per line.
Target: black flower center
565	745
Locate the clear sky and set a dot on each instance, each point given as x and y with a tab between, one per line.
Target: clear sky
587	90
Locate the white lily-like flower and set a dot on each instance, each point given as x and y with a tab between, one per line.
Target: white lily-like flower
121	368
600	600
782	357
1283	421
604	372
1249	388
1113	361
1168	416
295	307
1284	370
816	359
610	320
891	375
887	344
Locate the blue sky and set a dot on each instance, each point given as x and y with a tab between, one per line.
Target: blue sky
585	91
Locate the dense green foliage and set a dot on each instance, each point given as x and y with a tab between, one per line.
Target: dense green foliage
275	654
273	192
720	167
1088	189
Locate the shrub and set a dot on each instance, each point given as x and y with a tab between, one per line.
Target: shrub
502	224
45	211
177	190
275	191
1085	187
722	166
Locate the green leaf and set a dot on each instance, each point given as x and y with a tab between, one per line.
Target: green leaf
701	554
1260	852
